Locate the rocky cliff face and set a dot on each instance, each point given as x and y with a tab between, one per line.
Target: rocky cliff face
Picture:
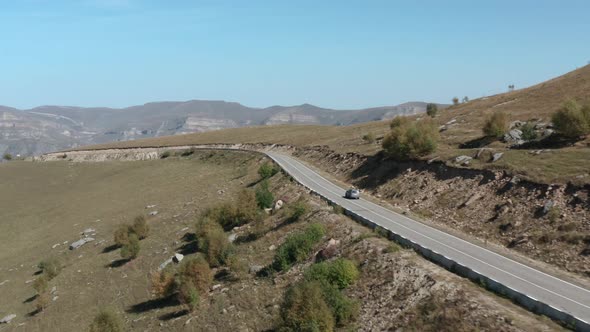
49	128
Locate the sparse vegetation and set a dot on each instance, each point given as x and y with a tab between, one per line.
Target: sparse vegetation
340	272
553	214
431	110
264	198
411	139
297	210
496	125
267	170
42	301
140	227
107	320
131	249
297	247
51	267
40	284
528	132
369	138
572	120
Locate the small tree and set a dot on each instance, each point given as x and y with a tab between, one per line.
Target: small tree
267	170
455	101
140	227
121	235
572	120
411	139
496	125
131	249
7	156
264	198
196	270
107	320
431	110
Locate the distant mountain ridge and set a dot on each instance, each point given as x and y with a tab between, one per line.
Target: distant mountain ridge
49	128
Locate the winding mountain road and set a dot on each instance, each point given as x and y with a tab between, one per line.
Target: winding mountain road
543	289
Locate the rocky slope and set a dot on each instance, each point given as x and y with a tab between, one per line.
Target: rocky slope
49	128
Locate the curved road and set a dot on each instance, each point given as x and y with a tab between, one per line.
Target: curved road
554	292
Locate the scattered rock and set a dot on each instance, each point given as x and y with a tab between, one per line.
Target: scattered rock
150	206
214	287
548	206
472	199
153	213
164	264
463	160
278	205
452	121
497	156
55	245
232	237
5	281
272	247
53	290
55	298
517	124
177	258
7	319
81	242
268	210
88	231
513	135
28	281
518	241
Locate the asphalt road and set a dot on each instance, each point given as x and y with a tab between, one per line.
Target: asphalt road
547	289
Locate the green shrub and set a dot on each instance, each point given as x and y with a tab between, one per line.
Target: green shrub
163	282
51	267
340	273
121	235
297	210
344	309
196	270
215	245
267	170
7	156
528	132
107	320
572	120
297	247
40	284
188	152
140	227
131	249
410	139
369	138
431	110
496	125
392	247
399	121
165	154
264	198
305	309
189	295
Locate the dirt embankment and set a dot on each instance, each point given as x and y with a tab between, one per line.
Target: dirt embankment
550	223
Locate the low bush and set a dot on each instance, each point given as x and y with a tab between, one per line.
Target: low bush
42	301
51	267
165	154
107	320
188	295
140	227
340	273
196	270
554	214
344	309
121	235
40	284
163	282
131	249
528	132
410	139
188	152
297	210
297	247
215	245
369	138
572	120
264	198
496	125
431	110
305	309
267	170
244	210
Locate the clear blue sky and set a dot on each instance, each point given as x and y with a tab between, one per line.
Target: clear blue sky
338	54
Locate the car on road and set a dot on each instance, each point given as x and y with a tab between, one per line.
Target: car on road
352	193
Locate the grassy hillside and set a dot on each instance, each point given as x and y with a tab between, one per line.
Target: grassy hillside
394	288
555	164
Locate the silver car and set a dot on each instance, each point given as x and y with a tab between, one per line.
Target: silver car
353	193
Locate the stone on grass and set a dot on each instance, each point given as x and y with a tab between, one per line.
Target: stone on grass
7	319
256	268
153	213
88	231
81	242
463	160
548	206
497	156
278	205
177	258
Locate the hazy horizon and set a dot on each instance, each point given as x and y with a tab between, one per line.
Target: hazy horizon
118	53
